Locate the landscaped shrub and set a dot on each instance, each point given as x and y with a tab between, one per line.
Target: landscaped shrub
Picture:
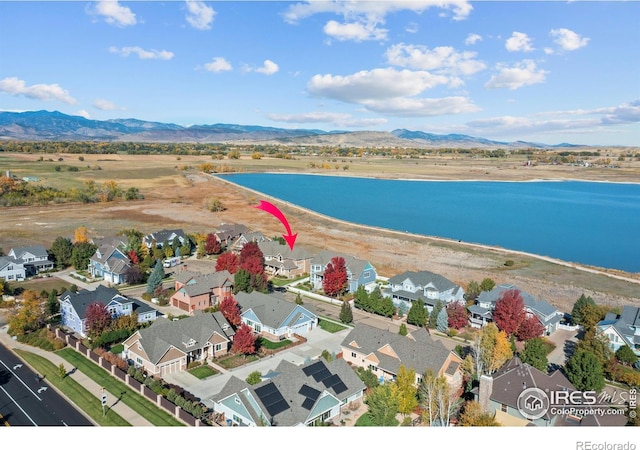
193	364
109	337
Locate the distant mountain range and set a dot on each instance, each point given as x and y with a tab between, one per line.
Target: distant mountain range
56	126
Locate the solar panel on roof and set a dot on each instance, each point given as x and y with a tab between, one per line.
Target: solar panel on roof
321	375
272	399
309	392
339	387
313	368
308	404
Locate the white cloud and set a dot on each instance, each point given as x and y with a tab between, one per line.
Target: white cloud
44	92
376	84
199	16
142	53
423	107
83	113
268	68
442	59
114	13
412	28
104	105
354	31
568	40
524	73
518	42
219	64
362	18
374	10
472	39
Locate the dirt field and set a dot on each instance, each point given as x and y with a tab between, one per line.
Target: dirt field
175	199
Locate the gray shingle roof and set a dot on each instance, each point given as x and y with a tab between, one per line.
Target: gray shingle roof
82	299
424	278
203	283
6	260
36	250
289	379
420	353
164	235
164	334
271	309
274	248
539	307
354	265
625	324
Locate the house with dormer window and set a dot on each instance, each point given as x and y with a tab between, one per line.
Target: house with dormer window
110	262
430	287
281	261
35	258
622	329
359	271
169	346
73	307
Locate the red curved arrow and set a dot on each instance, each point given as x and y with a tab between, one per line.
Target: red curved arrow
273	209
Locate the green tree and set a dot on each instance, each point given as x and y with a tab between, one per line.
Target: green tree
156	277
53	307
403	329
61	249
472	292
442	322
585	371
490	350
254	377
361	298
487	284
369	378
242	281
626	356
406	390
81	254
326	355
597	344
417	314
535	354
62	372
346	315
590	316
433	316
577	311
298	299
383	405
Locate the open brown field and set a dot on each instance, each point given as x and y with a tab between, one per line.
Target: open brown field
174	198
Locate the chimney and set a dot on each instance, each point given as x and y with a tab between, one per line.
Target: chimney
484	392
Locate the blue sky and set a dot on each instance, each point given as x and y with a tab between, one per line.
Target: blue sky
546	72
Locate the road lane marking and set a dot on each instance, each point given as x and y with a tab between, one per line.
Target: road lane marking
20	380
16	403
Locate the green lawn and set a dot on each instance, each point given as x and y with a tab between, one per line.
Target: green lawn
203	372
82	398
364	421
331	327
232	361
270	345
118	389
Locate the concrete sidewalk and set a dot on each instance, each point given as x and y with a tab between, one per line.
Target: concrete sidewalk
112	403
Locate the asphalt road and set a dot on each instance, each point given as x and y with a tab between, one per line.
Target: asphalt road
27	401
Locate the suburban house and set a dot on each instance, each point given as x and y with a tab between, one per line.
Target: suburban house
169	346
281	261
35	258
158	239
194	291
252	236
499	394
110	262
274	317
430	287
290	395
228	232
481	312
384	352
12	269
73	307
359	272
622	329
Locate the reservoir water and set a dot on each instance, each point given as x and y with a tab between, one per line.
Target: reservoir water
585	222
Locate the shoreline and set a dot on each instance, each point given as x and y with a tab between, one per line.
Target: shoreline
577	266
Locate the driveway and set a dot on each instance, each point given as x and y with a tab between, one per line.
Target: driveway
565	342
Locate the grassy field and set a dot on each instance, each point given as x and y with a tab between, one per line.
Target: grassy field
119	390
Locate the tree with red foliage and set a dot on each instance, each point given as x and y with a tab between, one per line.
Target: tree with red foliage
211	244
228	261
97	319
133	257
244	341
530	328
509	311
251	250
335	277
231	311
457	314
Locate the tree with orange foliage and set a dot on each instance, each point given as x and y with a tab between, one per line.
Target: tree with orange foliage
80	235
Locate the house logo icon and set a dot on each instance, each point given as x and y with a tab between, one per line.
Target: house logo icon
533	403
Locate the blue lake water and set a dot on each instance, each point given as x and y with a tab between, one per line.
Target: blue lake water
585	222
